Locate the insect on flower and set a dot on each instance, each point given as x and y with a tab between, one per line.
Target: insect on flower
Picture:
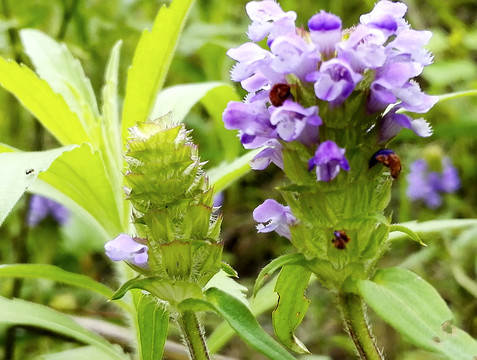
279	93
340	240
389	159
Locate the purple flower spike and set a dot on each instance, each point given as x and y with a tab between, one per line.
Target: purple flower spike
276	217
41	207
325	31
125	248
328	159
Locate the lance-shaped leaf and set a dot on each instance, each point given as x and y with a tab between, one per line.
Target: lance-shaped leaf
406	230
19	171
433	226
20	312
47	106
241	319
151	62
55	64
292	306
153	324
415	309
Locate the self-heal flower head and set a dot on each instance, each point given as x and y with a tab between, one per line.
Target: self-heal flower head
274	217
124	248
41	207
427	185
328	160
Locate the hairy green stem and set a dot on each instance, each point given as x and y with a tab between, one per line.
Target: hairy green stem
193	335
354	316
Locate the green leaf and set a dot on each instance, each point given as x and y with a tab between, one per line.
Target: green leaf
407	231
292	306
224	282
151	62
19	171
80	174
244	323
222	176
153	325
433	226
415	309
179	99
81	353
20	312
51	272
55	64
172	291
47	106
275	264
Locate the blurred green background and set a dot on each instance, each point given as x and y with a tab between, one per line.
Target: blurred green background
91	27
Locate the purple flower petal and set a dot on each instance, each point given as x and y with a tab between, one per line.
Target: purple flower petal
325	31
328	159
274	217
124	248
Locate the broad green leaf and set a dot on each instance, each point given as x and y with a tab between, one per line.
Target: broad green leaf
80	174
20	312
244	323
55	64
151	62
179	99
47	106
264	300
275	264
292	306
222	176
433	226
415	309
81	353
153	325
224	282
51	272
19	171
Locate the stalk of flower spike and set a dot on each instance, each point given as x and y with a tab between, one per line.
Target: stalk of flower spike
177	248
324	103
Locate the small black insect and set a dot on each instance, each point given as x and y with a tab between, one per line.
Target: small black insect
29	171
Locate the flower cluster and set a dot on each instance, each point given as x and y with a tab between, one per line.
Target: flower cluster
311	85
41	207
428	185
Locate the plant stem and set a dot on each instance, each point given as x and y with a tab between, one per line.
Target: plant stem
193	335
355	320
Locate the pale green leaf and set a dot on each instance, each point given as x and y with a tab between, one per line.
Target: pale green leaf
81	353
224	282
55	64
19	171
224	175
407	231
433	226
153	325
415	309
292	306
151	62
47	106
80	174
20	312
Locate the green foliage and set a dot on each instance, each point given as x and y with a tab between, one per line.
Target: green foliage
16	311
416	310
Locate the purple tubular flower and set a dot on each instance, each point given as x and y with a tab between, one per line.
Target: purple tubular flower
41	207
393	122
268	19
386	16
271	154
335	81
328	159
291	119
276	217
124	248
428	185
325	31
